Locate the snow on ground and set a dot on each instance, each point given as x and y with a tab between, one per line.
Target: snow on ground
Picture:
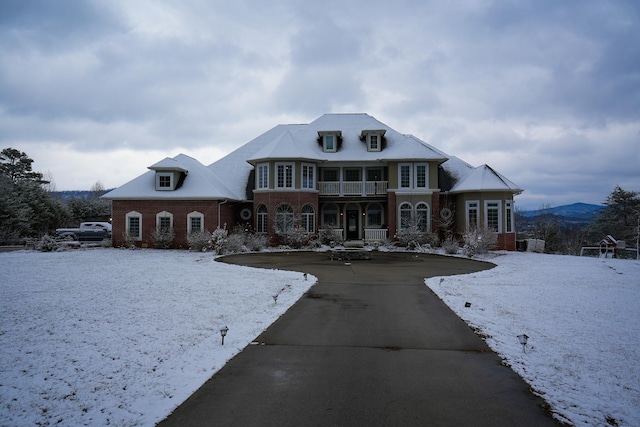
121	337
583	323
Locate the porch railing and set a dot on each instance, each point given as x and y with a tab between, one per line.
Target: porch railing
352	188
375	234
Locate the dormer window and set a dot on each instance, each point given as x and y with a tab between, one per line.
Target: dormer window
329	143
330	140
164	181
170	174
373	138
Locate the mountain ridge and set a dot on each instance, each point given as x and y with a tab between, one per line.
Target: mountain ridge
574	210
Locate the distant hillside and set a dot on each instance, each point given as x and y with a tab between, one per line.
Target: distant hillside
575	210
574	215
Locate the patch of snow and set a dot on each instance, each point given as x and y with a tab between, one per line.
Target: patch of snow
583	323
121	337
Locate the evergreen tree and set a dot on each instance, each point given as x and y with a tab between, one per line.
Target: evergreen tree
16	165
619	218
26	208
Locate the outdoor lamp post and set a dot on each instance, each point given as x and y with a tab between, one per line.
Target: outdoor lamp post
223	333
523	340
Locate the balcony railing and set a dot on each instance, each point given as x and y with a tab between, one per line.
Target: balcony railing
352	188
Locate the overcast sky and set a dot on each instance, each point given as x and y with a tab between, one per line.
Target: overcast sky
546	92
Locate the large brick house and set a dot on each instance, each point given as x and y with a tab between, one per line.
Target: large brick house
348	173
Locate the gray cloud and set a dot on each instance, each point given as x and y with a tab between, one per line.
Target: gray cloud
547	92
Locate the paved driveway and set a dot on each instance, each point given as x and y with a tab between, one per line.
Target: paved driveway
369	344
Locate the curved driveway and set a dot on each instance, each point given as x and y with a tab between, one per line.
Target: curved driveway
368	345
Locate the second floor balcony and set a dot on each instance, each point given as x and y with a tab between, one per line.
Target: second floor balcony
352	188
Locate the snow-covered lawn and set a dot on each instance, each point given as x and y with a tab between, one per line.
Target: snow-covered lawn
120	337
582	316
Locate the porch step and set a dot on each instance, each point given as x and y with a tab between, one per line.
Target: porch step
353	244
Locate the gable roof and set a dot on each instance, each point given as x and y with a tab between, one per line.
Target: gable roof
200	183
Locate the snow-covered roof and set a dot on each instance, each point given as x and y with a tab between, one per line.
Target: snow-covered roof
299	142
484	178
228	177
167	164
200	183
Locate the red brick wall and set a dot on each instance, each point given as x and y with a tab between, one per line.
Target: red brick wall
391	214
179	208
506	241
273	199
435	211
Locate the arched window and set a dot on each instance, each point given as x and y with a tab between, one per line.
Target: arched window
134	225
164	221
261	219
195	222
422	216
308	218
405	216
284	219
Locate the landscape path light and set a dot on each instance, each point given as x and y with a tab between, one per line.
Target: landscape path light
523	340
223	333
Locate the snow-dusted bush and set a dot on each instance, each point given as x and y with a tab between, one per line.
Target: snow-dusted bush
411	237
163	238
230	244
241	239
47	244
479	241
450	245
199	241
256	241
297	239
129	240
328	235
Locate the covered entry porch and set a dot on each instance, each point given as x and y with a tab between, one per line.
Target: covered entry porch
354	220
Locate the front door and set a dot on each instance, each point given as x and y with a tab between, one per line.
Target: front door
352	224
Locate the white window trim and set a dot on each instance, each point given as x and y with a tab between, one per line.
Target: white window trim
411	211
486	213
195	214
510	224
313	177
164	174
133	214
293	175
426	175
335	143
308	218
400	166
379	138
466	213
164	214
264	166
262	218
428	210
